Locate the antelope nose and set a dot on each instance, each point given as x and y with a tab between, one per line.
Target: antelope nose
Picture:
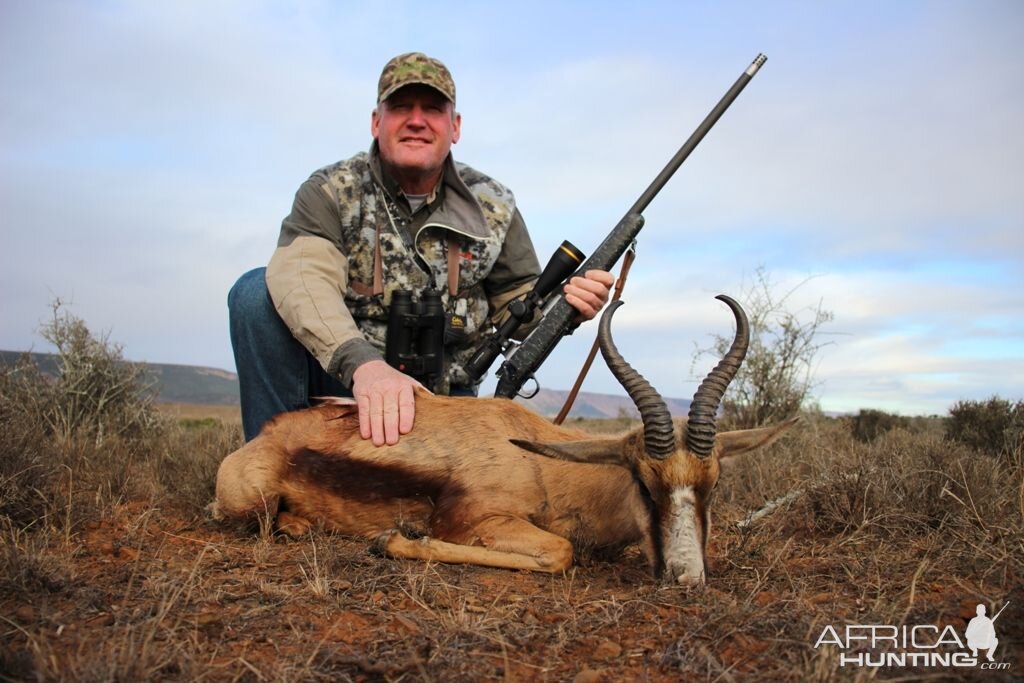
690	580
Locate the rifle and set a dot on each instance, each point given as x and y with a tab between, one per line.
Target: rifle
558	319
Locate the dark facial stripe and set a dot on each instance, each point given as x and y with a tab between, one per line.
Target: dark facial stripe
654	531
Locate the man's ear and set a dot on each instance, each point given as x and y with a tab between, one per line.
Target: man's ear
600	451
456	127
742	441
375	123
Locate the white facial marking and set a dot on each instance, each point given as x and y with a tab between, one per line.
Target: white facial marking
684	553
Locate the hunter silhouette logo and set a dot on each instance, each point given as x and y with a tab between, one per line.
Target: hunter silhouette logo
921	645
981	633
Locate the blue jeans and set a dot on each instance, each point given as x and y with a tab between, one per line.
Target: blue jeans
275	372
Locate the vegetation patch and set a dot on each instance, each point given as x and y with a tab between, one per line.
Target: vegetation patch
110	568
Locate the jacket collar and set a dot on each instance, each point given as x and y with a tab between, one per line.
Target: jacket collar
452	203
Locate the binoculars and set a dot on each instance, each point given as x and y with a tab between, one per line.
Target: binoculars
416	331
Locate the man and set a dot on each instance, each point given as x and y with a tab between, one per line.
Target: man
981	633
404	216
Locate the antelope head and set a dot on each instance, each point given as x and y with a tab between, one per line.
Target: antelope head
677	463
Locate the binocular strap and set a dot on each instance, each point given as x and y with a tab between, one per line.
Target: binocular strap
454	254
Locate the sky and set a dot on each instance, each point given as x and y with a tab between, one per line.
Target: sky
873	167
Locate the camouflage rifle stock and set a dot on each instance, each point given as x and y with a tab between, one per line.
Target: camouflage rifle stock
559	317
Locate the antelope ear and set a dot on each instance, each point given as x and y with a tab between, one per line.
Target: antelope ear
602	451
745	440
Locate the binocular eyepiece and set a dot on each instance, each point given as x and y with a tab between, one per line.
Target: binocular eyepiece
415	341
419	328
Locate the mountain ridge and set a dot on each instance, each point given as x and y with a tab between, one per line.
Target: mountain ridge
177	383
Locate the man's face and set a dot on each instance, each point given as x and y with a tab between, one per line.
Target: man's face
415	130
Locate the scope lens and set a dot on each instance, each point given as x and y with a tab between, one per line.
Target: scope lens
566	259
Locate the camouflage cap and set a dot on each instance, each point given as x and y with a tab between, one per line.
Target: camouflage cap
415	68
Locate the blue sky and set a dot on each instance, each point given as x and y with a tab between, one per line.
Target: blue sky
148	152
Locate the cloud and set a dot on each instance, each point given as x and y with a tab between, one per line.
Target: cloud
149	152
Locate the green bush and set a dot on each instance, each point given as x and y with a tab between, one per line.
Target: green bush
995	426
868	425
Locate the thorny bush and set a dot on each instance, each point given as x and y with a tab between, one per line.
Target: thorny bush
91	433
899	528
777	376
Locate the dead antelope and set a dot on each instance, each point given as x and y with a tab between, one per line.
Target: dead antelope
488	482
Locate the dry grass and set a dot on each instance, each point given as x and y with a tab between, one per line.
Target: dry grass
195	415
109	570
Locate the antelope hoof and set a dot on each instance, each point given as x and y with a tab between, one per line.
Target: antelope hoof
691	581
293	525
380	545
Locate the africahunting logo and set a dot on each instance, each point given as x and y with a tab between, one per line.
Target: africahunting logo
923	645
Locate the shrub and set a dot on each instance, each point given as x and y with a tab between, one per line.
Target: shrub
995	426
96	390
28	459
869	424
776	378
70	440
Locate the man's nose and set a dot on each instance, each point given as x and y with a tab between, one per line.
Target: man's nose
416	116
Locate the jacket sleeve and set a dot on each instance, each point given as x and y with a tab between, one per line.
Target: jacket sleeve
514	273
307	278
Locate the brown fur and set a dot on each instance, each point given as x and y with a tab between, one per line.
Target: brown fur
459	478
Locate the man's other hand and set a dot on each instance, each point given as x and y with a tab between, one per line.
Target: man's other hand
385	398
588	294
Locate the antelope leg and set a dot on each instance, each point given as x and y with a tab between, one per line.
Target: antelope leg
508	543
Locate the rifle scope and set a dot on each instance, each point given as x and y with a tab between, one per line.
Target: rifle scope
562	264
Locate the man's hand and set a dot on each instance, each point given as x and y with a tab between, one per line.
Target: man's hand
385	400
589	294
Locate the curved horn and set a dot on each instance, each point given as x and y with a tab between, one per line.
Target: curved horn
700	429
659	437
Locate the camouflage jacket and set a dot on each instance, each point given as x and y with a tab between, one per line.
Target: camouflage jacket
320	276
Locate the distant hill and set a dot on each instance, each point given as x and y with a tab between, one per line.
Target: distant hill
212	386
548	402
174	383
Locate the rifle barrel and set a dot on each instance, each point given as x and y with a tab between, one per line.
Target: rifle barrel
709	121
559	316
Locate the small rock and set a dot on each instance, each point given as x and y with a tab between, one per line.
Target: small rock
606	651
25	613
588	675
107	548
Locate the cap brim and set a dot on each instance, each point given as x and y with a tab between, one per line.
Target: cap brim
395	88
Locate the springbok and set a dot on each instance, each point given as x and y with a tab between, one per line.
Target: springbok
488	482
